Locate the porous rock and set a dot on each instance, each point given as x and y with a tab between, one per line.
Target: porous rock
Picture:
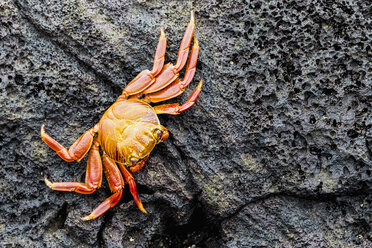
275	153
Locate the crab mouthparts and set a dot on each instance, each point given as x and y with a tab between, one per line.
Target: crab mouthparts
133	164
139	162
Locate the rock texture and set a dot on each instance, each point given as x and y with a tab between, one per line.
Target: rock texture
276	152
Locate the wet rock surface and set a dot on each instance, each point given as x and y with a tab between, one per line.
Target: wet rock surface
275	153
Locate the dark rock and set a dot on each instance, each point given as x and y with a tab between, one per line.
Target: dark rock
275	153
297	222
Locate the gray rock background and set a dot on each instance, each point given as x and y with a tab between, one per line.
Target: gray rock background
275	153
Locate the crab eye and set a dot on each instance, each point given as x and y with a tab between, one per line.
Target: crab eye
133	160
159	133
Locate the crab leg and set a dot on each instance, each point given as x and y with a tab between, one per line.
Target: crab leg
185	44
77	151
146	77
93	176
170	72
177	87
116	184
132	186
175	108
113	175
104	206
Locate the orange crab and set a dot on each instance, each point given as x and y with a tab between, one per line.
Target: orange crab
130	128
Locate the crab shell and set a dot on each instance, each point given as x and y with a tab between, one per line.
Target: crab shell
129	130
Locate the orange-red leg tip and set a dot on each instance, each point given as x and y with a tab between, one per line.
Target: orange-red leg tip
192	18
196	42
88	217
48	183
42	130
140	206
133	191
200	84
162	33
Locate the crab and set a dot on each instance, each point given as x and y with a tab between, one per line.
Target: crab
129	130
